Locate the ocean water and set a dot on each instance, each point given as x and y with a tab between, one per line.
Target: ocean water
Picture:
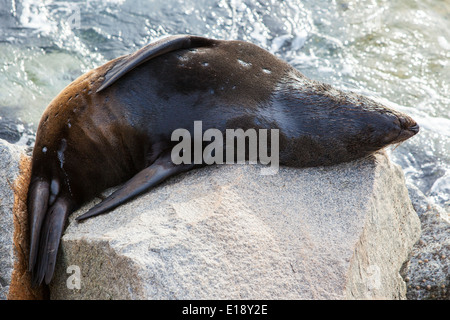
395	51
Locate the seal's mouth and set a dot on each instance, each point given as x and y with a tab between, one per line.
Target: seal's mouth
408	128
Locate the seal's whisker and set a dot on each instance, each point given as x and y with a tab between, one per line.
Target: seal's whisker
396	145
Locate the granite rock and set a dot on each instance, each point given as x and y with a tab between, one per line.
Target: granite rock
427	272
9	171
228	232
14	237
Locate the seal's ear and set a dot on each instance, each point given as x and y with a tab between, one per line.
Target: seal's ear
150	51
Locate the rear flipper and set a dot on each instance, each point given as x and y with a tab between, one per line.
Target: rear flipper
43	257
38	196
160	170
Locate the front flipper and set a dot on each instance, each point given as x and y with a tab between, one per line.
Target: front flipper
160	170
150	51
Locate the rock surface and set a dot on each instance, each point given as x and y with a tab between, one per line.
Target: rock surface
428	271
9	171
227	232
14	179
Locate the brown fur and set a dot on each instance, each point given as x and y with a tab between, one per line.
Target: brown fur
20	288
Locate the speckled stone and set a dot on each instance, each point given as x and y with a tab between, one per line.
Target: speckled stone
228	232
428	270
9	170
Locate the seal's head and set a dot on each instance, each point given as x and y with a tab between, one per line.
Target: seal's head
327	126
404	127
374	125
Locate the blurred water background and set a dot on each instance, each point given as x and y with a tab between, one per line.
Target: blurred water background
395	51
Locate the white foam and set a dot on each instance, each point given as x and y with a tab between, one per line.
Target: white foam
443	43
35	15
259	34
278	42
20	128
299	40
441	184
347	70
435	124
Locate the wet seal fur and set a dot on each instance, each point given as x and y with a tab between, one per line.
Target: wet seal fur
113	125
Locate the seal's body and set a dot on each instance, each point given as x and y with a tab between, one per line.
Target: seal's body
114	125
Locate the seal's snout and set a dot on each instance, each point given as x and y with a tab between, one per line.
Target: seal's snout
414	128
407	123
408	128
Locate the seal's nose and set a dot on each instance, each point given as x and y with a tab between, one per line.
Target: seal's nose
408	128
406	123
414	128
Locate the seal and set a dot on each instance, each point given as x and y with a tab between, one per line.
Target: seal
113	125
